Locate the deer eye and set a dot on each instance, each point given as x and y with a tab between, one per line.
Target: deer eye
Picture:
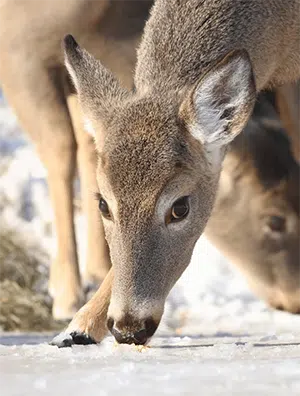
104	209
180	209
276	224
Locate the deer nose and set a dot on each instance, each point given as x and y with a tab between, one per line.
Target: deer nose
130	331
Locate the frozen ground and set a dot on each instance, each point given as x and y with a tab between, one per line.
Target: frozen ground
230	343
172	366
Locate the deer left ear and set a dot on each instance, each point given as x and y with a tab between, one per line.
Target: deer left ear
96	86
98	89
219	105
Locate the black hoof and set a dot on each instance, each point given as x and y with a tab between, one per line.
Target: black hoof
64	340
82	338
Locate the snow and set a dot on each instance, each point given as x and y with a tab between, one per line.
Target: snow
227	342
173	365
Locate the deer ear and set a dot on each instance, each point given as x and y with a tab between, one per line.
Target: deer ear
96	86
219	105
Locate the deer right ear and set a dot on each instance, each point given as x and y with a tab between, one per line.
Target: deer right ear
96	86
218	107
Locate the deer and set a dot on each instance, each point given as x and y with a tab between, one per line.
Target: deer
161	145
255	221
37	87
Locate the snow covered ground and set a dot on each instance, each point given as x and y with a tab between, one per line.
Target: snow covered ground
228	343
172	366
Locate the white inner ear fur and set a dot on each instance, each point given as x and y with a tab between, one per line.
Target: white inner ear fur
210	126
234	81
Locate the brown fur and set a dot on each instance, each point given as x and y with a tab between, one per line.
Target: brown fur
288	104
36	85
259	180
199	67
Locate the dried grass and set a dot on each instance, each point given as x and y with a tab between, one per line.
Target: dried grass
24	302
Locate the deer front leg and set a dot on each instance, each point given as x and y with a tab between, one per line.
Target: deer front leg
64	283
89	324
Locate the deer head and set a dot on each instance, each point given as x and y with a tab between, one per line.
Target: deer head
256	218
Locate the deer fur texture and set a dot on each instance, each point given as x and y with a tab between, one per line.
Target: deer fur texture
161	145
255	220
259	182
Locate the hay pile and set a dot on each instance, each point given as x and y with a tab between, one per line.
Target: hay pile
24	302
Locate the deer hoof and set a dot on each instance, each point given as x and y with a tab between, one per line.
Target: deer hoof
65	339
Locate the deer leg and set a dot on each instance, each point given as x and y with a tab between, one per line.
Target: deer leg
288	104
89	324
64	284
97	256
40	105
